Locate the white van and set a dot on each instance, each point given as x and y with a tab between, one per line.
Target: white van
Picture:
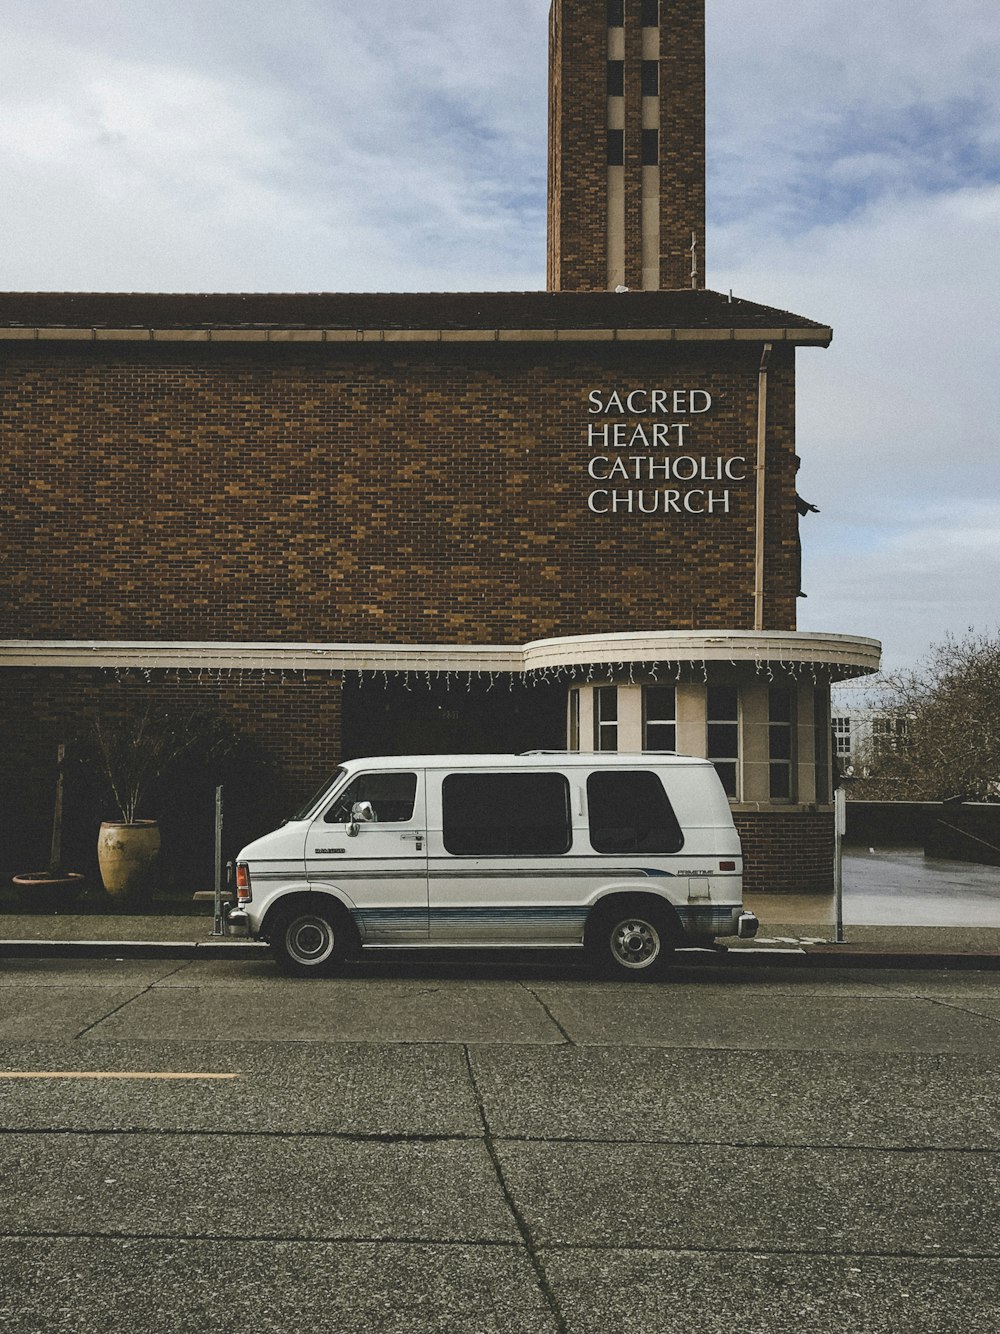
625	855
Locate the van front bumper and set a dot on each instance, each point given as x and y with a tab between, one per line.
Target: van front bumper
747	926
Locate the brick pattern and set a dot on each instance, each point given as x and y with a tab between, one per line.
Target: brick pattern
786	852
368	495
578	174
682	141
578	212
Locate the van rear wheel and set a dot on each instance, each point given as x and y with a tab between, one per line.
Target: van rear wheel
309	942
629	941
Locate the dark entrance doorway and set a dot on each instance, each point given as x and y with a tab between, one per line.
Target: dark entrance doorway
408	716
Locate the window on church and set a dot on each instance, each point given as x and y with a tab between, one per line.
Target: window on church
616	148
616	13
650	78
780	738
659	718
650	13
650	148
606	718
616	78
724	735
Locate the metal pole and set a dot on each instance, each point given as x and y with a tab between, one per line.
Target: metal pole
840	829
218	928
761	489
55	849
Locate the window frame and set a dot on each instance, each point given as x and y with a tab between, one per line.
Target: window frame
327	815
779	728
604	724
648	722
736	761
674	833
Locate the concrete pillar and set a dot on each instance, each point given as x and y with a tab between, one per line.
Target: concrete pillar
692	719
629	717
754	739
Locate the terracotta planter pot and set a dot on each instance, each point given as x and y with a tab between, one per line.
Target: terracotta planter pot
128	855
43	891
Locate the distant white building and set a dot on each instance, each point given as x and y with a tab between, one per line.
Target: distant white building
861	729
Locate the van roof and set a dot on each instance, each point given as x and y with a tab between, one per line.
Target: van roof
531	759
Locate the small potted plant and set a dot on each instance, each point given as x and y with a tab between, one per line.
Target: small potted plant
136	750
53	888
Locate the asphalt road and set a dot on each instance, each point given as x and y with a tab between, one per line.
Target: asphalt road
427	1147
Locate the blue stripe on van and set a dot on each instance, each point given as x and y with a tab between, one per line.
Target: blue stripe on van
414	918
698	918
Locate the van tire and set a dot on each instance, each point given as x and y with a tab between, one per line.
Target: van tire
630	939
310	941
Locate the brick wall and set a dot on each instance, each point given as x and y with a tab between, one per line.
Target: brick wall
369	495
682	141
786	852
578	172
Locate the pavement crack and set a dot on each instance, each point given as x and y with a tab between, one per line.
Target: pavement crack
551	1017
767	1252
962	1009
237	1238
118	1008
160	1132
520	1222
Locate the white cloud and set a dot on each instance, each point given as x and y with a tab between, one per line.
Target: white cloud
935	575
207	147
899	421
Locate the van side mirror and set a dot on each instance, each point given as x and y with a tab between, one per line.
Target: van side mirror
362	812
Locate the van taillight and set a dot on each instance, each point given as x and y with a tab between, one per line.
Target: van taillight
243	893
727	866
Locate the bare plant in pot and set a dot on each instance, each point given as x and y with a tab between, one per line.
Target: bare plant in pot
136	750
53	888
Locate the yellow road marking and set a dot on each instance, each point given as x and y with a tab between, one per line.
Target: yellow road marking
107	1074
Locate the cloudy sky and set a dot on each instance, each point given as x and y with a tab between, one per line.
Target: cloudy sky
854	177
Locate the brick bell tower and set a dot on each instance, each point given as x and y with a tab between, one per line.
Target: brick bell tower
626	201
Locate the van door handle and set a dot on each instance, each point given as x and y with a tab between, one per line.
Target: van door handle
413	838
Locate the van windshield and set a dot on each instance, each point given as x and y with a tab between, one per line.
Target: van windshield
305	811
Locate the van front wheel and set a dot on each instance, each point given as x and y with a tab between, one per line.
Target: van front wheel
307	942
629	942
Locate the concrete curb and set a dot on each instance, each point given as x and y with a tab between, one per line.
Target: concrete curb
132	949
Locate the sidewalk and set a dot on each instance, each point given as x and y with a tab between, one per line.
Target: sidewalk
794	930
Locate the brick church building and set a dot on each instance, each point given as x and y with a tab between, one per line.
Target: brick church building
377	523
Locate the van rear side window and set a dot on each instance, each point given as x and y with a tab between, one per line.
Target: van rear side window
631	812
505	815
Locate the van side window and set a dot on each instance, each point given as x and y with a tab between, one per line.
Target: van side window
631	812
392	796
506	815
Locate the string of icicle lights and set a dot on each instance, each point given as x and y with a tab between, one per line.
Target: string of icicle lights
658	671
